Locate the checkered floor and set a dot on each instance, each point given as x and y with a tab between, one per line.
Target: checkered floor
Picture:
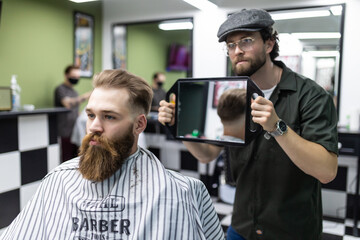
333	229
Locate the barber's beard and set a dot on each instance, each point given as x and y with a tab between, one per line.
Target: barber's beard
99	162
255	65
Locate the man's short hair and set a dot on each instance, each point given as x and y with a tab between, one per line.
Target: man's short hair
156	75
270	33
232	104
140	92
71	67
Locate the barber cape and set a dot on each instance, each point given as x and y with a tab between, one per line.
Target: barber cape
142	200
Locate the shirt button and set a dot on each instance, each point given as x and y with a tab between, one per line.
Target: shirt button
259	232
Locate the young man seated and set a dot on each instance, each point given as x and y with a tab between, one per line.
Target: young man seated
116	189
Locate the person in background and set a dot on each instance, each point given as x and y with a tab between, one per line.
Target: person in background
158	81
66	96
278	174
116	189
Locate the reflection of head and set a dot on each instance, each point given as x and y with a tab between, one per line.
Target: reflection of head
140	93
232	104
231	110
251	20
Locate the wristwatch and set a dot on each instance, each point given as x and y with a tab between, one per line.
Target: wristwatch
281	129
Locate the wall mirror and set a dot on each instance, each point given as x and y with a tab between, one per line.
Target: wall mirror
210	109
144	48
311	43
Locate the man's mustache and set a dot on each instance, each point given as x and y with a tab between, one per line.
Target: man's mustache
103	142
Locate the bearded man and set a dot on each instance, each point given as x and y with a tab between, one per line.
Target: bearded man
279	174
115	189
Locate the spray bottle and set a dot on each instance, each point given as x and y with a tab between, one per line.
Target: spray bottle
15	94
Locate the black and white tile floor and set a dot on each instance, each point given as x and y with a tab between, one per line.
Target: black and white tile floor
333	229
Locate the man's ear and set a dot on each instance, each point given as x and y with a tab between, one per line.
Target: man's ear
269	44
140	124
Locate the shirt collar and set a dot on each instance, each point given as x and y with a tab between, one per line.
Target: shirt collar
286	82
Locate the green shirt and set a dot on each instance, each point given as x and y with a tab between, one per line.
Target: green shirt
275	200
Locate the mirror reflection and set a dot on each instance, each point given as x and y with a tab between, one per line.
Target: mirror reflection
214	110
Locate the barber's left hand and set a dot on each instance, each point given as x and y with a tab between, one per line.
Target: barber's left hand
263	113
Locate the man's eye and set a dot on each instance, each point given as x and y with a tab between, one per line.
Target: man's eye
90	115
247	40
109	117
231	45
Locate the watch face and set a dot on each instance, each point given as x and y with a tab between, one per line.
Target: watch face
282	126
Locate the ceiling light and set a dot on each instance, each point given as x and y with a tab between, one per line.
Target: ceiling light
82	1
300	14
316	35
204	5
336	10
176	25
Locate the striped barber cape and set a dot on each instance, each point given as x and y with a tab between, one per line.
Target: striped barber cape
142	200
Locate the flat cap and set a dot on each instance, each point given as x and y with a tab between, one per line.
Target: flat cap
246	20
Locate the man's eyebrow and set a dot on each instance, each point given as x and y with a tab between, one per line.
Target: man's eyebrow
248	34
103	111
110	112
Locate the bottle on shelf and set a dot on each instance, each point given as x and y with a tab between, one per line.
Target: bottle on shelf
15	89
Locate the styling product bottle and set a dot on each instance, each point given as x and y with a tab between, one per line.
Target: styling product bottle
16	105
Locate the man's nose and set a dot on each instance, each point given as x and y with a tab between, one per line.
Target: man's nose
238	50
95	126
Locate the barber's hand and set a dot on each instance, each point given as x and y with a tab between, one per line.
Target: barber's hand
85	96
263	113
167	112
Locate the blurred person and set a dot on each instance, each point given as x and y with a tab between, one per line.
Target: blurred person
278	174
158	81
66	96
116	189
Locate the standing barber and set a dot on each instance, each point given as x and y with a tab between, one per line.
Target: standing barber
66	96
158	81
279	174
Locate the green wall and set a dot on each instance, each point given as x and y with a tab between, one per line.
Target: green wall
36	43
148	49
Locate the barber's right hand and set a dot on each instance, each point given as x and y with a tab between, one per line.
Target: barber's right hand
167	112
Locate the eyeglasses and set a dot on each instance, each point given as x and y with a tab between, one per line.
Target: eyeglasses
244	44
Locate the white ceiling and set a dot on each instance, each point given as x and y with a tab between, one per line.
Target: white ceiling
178	7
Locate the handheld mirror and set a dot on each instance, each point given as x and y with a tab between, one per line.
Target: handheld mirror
214	110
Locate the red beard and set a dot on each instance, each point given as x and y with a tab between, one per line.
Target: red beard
99	162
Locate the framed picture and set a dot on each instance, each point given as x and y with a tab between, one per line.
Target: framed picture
0	10
84	43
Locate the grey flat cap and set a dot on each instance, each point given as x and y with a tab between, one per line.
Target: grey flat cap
246	20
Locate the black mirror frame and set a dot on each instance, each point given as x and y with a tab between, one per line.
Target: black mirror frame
252	129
